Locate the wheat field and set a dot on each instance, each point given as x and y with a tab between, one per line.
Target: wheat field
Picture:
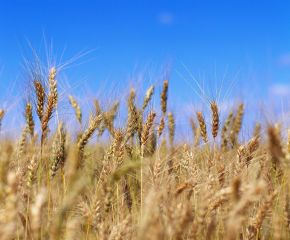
134	179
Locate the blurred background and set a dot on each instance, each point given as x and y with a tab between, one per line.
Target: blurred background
239	47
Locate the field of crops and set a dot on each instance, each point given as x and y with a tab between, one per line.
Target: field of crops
133	178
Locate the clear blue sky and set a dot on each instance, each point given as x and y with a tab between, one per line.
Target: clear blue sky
250	36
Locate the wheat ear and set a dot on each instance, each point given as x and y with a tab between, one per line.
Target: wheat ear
77	108
148	97
51	100
2	113
146	130
215	119
29	119
171	126
86	136
202	126
225	130
40	94
164	97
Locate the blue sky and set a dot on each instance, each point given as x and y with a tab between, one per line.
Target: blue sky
131	37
